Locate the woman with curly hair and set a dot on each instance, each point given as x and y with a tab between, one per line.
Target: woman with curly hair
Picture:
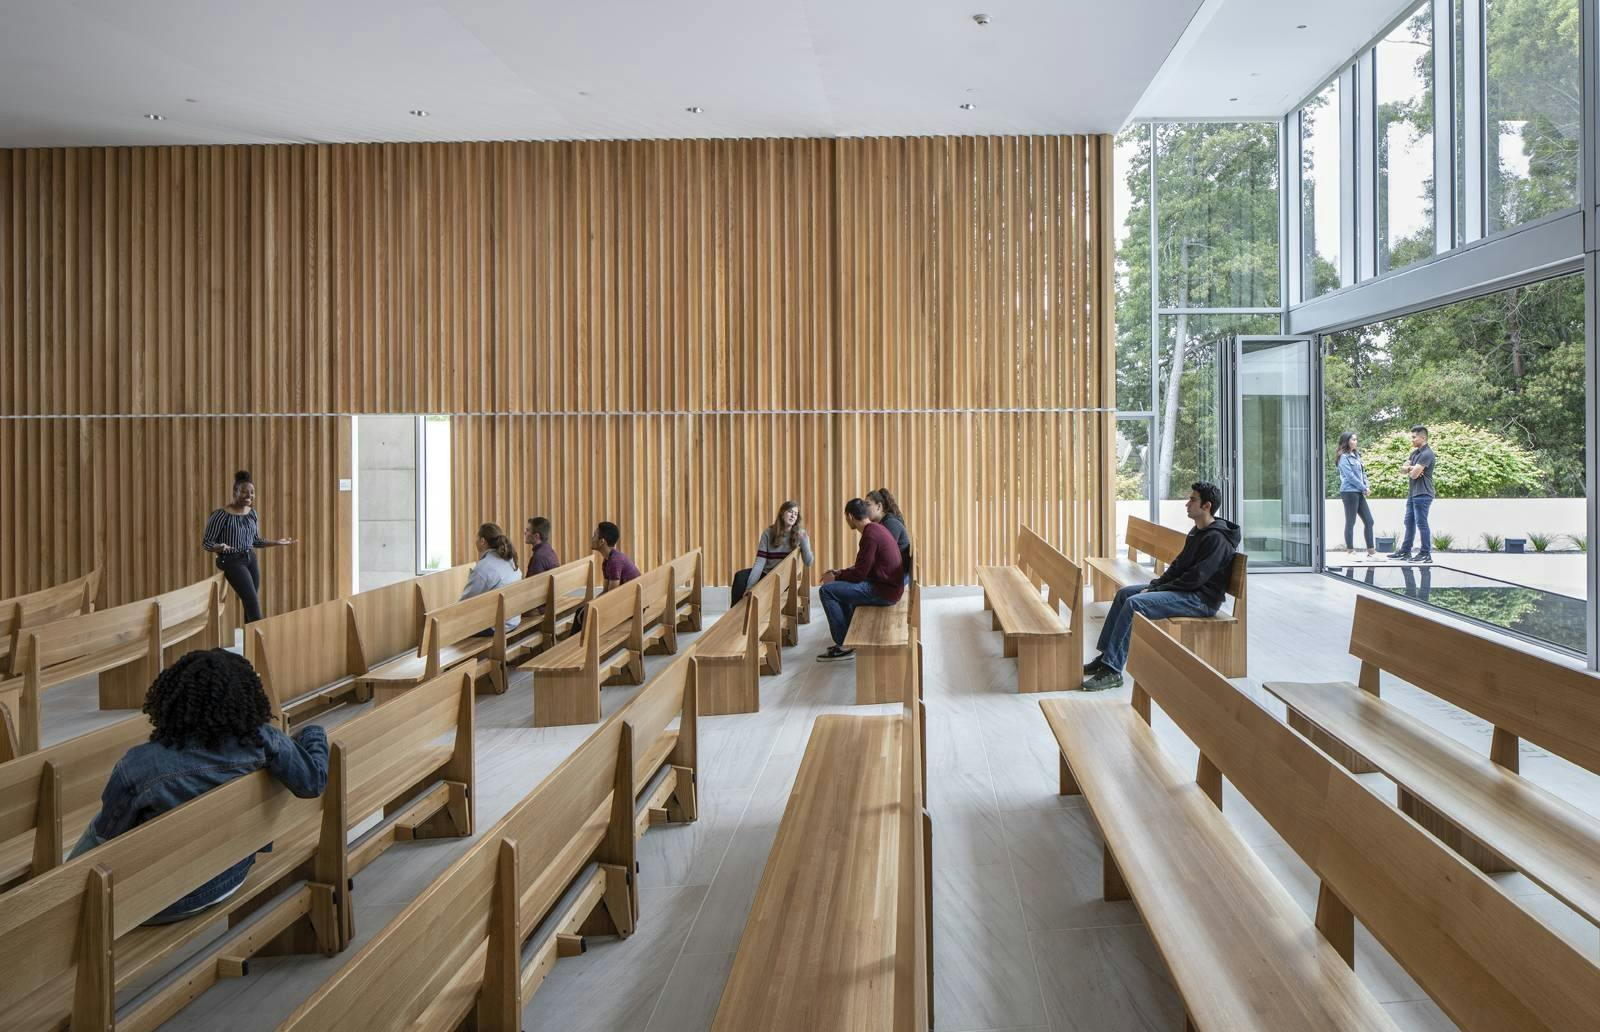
212	724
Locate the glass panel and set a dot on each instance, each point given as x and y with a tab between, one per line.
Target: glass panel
1217	207
1458	67
1546	615
1191	402
1321	151
1404	63
1499	382
1277	477
1133	269
1133	475
1533	113
435	536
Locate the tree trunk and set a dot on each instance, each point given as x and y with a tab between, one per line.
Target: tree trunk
1170	397
1519	366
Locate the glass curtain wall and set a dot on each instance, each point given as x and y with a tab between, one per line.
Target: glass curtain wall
1403	68
1321	161
1198	262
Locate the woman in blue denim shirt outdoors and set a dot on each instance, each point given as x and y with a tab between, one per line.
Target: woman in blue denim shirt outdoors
212	725
1353	490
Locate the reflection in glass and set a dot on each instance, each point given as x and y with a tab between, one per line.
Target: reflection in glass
1404	63
1191	396
1320	154
1276	439
1533	109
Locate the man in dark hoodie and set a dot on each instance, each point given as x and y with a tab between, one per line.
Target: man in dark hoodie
1193	585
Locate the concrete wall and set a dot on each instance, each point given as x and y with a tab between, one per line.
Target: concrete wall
386	500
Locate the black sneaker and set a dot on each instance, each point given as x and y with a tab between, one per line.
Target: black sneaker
835	652
1094	666
1105	680
1425	558
1399	555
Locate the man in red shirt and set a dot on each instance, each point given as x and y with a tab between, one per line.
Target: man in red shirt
876	579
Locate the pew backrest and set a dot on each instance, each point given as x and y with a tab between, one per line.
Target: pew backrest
461	620
1042	562
396	746
195	610
1487	962
1552	706
388	621
442	587
298	652
48	605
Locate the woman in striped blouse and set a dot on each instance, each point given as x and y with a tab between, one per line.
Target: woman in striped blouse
777	541
233	533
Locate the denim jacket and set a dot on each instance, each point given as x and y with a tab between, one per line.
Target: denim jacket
1352	474
152	778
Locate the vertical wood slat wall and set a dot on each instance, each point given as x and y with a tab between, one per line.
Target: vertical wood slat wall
672	334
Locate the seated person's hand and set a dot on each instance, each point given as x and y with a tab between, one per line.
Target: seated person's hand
828	577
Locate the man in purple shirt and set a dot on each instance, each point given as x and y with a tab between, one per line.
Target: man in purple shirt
876	579
616	568
537	535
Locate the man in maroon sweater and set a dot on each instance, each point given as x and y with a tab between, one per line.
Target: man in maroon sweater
877	578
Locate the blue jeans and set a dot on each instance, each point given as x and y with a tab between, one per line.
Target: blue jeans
1155	605
1417	507
840	599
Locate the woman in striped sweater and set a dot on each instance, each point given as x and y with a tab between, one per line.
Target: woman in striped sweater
777	541
233	533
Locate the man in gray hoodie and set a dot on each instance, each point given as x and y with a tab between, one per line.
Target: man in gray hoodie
1193	585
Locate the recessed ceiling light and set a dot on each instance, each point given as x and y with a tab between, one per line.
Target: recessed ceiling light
190	100
418	113
156	118
695	109
969	107
1255	75
1235	99
583	93
981	19
1299	26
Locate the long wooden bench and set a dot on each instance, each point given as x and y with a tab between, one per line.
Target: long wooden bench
879	635
839	934
479	941
68	943
1047	648
619	628
73	598
315	658
546	603
1221	640
125	645
1478	805
747	641
49	796
1241	952
451	639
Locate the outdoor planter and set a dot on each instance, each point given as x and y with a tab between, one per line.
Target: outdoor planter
1516	545
1386	544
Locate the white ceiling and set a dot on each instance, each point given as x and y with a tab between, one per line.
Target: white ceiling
1248	58
85	72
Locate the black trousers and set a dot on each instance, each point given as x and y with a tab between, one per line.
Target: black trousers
741	584
244	577
1355	502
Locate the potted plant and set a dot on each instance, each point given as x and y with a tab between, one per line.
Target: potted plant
1386	542
1541	542
1493	542
1516	545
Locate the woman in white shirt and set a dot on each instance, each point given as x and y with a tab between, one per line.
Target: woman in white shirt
496	567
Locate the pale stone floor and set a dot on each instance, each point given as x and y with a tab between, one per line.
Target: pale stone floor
1023	940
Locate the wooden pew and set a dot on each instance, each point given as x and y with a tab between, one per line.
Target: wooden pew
746	642
479	941
546	602
619	628
1047	649
838	936
68	943
48	605
879	635
1221	640
191	618
1236	944
449	640
48	797
1478	805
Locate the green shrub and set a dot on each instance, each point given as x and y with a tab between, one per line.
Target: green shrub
1471	462
1579	541
1442	542
1540	542
1493	542
1502	607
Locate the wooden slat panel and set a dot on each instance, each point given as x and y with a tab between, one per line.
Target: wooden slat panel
672	334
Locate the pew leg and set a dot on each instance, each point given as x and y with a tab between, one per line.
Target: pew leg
125	687
683	805
614	915
771	658
1141	702
1114	888
727	686
1447	831
1046	664
1008	646
560	699
880	675
1337	923
1069	784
